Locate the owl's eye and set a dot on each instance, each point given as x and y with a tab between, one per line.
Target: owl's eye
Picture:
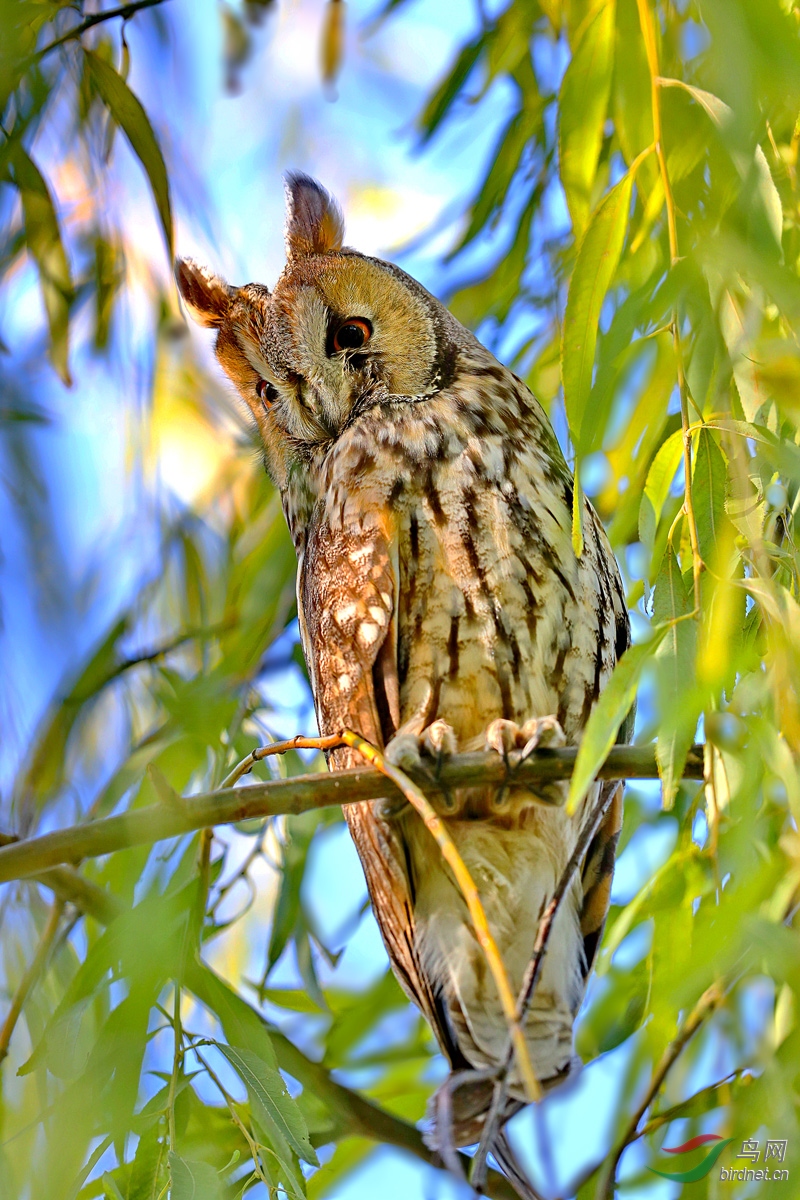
266	392
352	335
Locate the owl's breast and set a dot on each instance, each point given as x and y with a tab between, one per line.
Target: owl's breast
495	616
482	618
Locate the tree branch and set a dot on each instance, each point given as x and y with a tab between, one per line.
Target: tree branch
532	974
708	1003
353	1114
302	793
30	976
126	11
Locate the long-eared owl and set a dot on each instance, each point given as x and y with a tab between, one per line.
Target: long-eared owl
441	605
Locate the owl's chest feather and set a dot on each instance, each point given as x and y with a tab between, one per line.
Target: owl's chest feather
494	615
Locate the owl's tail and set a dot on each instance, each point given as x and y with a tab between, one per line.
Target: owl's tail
467	1106
506	1160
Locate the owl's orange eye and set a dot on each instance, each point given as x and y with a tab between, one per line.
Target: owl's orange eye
266	392
352	335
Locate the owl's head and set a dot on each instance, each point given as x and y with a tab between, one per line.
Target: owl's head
338	334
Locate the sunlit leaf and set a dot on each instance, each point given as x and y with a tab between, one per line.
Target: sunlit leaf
268	1093
43	239
583	102
129	114
680	708
594	269
765	189
608	714
332	44
656	489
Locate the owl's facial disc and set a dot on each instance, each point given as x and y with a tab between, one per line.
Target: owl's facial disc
340	332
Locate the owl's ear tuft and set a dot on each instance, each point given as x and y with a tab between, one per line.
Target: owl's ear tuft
314	221
206	296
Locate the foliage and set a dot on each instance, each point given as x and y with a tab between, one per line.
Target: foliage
637	235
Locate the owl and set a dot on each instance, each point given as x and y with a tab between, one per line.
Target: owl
441	607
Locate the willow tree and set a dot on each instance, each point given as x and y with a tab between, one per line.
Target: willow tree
637	226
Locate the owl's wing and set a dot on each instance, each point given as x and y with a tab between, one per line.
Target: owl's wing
347	589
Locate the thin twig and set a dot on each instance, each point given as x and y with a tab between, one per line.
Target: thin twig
437	828
304	793
651	49
30	976
177	1055
707	1004
125	11
531	978
237	1120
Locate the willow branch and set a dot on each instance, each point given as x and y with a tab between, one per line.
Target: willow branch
706	1005
30	977
447	847
125	11
353	1114
651	49
303	793
532	975
466	885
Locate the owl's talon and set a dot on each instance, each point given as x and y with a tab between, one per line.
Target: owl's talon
408	750
542	733
501	736
539	732
404	751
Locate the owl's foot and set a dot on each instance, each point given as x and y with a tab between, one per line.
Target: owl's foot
437	742
505	737
411	751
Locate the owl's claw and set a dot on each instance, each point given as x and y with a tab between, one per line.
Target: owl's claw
436	741
412	751
504	736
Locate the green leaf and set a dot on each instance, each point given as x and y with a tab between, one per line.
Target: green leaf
595	267
608	714
193	1180
269	1096
129	114
709	485
679	703
147	1169
241	1024
300	832
43	239
632	108
440	102
582	107
764	185
503	165
657	485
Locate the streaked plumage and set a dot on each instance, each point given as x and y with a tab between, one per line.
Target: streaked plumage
430	506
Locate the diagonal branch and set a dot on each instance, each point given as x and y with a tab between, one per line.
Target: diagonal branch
302	793
125	11
438	829
532	974
30	977
708	1003
353	1114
